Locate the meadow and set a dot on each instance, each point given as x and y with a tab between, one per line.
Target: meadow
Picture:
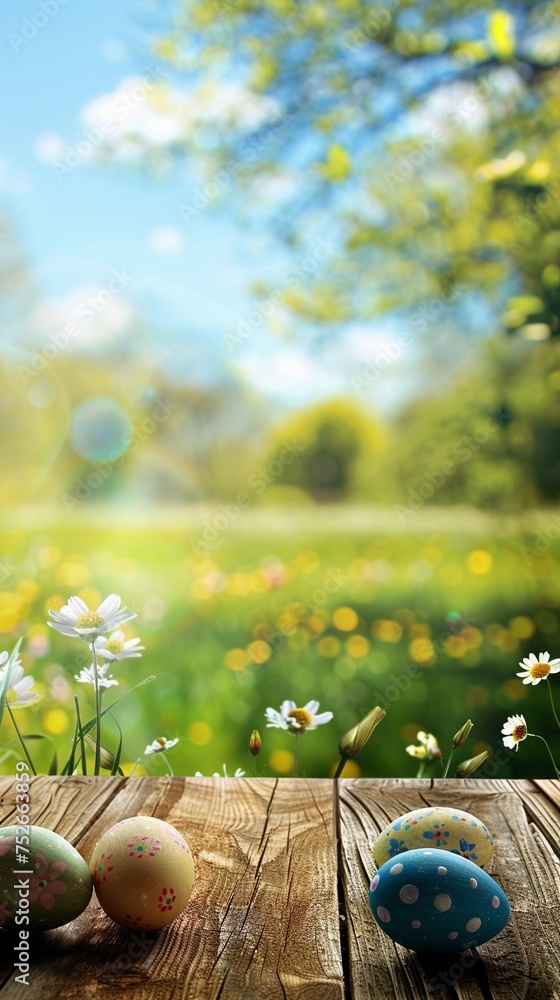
339	604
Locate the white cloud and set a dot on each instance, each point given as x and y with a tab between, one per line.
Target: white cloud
166	240
100	320
144	115
49	147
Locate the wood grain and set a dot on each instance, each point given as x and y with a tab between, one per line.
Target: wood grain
263	918
278	862
522	961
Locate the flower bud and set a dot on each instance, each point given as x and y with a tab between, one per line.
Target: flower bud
355	739
468	767
106	758
255	743
463	734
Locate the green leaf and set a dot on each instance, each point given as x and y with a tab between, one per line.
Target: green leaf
338	165
88	726
116	769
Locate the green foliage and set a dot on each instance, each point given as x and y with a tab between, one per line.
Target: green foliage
440	620
340	448
426	139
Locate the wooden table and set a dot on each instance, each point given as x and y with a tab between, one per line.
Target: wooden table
280	907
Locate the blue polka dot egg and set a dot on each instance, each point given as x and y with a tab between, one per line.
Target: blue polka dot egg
436	901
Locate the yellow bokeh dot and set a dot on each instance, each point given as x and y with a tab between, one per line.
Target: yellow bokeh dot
522	626
282	761
387	630
91	596
357	646
345	619
306	562
200	592
139	771
421	650
477	696
54	603
479	562
236	659
200	733
315	625
514	689
472	636
450	575
419	631
37	629
48	556
259	651
329	646
28	589
72	573
56	721
8	620
409	733
351	769
455	646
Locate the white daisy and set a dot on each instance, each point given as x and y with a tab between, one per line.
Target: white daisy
295	719
514	731
87	676
115	647
538	670
160	744
75	618
427	749
17	694
238	773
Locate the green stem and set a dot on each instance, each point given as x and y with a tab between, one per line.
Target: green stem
341	766
296	738
21	740
82	743
537	737
254	767
97	766
134	768
168	765
448	763
421	769
552	703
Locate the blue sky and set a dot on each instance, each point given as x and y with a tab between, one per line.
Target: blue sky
77	228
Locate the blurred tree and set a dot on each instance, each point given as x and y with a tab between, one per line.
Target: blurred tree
423	138
490	440
331	450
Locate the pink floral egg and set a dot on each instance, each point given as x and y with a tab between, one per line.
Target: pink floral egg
44	882
143	873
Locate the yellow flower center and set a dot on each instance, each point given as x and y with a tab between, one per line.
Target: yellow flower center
89	620
11	696
539	670
519	733
114	645
161	740
301	716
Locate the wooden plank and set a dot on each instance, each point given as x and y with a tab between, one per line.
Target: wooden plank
521	962
263	917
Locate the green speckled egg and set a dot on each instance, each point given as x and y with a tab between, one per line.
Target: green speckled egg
43	883
436	826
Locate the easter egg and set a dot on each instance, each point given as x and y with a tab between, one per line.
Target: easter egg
436	901
42	877
435	826
143	873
